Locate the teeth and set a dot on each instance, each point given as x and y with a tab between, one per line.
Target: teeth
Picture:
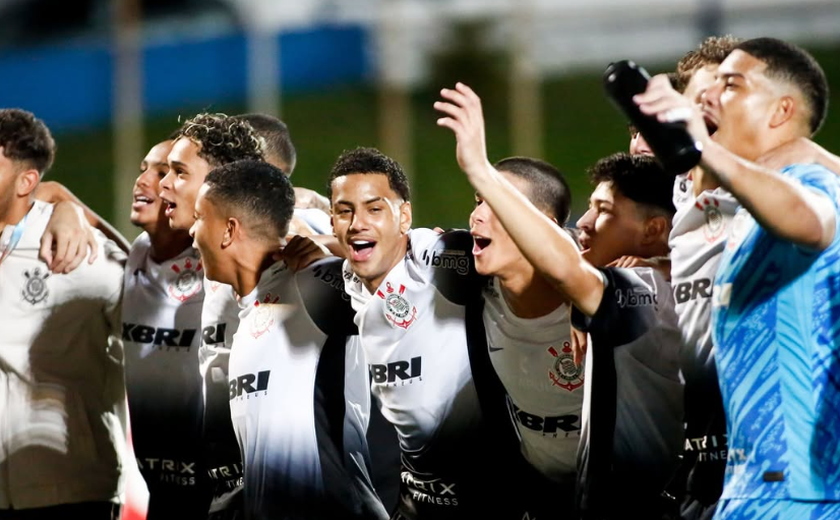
361	243
142	199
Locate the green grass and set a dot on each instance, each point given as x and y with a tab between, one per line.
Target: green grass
580	127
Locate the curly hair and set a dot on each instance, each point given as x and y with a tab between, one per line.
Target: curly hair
26	139
370	160
223	139
712	51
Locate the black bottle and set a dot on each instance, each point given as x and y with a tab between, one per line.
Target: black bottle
673	146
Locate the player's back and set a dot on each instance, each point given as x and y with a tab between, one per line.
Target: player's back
775	329
299	399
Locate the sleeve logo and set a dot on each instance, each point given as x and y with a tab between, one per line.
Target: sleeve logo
35	290
564	373
398	310
188	282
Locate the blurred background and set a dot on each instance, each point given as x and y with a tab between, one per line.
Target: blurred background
113	77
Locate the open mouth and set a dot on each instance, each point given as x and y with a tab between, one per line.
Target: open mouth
361	250
170	209
711	126
141	201
480	243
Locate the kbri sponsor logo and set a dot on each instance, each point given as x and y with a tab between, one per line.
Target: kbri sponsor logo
692	290
556	426
161	337
249	384
213	334
453	259
398	372
169	471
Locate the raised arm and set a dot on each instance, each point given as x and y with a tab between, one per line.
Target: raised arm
547	247
781	206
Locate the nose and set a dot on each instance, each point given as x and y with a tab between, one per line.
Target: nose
711	96
144	180
586	221
479	214
166	182
192	229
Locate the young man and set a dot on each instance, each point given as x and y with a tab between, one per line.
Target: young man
774	293
163	296
297	384
529	342
207	141
410	290
62	413
632	427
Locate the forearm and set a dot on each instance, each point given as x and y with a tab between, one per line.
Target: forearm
55	193
551	251
782	207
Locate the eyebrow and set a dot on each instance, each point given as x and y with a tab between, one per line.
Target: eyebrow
179	163
727	75
369	201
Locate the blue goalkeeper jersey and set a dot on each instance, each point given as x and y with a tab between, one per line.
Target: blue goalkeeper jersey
776	322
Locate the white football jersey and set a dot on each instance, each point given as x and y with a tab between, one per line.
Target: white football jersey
415	337
698	236
632	433
62	387
161	330
299	398
683	190
219	322
533	359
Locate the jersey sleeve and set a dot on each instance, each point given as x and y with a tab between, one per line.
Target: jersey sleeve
321	287
446	261
630	306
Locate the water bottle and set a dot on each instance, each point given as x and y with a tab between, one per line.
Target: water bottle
671	143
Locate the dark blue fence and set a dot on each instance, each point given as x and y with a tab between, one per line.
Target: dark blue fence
70	86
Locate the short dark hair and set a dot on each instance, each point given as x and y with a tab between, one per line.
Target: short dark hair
260	193
223	139
279	149
639	178
790	63
548	189
370	160
711	51
26	139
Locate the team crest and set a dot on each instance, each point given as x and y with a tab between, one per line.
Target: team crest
564	372
35	290
715	223
398	310
188	282
263	315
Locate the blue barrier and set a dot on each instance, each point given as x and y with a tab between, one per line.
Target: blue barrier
69	87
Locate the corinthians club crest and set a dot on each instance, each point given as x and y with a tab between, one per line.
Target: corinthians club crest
564	373
398	310
35	290
715	223
188	282
263	315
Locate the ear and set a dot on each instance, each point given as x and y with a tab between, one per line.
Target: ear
233	232
656	228
405	217
332	223
26	182
784	112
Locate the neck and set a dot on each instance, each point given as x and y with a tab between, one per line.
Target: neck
167	243
373	284
253	259
529	295
18	209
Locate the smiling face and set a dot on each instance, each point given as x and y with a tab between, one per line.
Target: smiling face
612	226
371	222
495	252
147	207
179	188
